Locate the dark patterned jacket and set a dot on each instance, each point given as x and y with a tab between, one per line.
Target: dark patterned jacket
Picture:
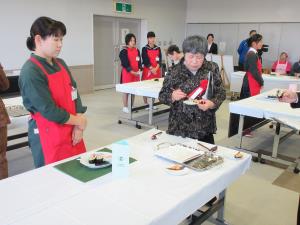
186	120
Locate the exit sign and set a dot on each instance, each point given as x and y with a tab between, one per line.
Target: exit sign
124	7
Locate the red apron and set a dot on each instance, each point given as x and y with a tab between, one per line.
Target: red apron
133	58
153	55
56	139
254	86
281	68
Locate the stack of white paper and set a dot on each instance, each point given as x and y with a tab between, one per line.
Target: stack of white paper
178	153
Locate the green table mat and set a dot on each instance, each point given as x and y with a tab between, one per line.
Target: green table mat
74	169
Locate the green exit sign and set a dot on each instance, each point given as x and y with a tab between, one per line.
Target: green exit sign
123	7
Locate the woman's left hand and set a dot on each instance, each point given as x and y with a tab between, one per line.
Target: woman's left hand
153	70
205	104
77	135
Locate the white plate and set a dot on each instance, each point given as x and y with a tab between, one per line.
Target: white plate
182	172
84	160
189	102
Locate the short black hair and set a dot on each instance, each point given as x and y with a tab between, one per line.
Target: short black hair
254	38
128	38
210	35
251	31
172	49
150	34
45	26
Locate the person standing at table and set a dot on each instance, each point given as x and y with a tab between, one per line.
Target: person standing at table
49	93
212	46
252	81
4	121
131	66
282	66
193	121
151	55
243	49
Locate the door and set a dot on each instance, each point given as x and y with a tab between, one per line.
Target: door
109	39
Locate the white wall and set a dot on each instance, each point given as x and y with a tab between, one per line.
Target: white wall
279	36
166	18
242	11
278	21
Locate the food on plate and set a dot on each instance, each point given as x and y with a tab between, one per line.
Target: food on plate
204	161
191	101
92	158
98	159
175	167
238	155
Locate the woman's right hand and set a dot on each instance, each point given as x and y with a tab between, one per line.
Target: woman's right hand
135	73
177	95
77	135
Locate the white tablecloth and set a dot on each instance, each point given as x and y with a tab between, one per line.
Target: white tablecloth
13	73
261	107
270	82
149	195
148	88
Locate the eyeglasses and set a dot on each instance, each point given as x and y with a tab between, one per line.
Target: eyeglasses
198	57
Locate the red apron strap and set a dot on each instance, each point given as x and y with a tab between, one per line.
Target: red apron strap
59	65
36	62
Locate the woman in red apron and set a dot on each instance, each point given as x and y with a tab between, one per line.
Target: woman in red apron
253	81
131	66
282	66
49	93
151	55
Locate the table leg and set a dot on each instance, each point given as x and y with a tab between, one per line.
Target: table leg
241	126
130	105
276	140
220	214
151	100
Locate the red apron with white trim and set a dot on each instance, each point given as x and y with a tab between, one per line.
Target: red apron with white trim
281	67
56	139
153	55
254	86
133	58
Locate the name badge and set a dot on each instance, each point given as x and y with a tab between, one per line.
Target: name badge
137	58
74	93
157	58
36	131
